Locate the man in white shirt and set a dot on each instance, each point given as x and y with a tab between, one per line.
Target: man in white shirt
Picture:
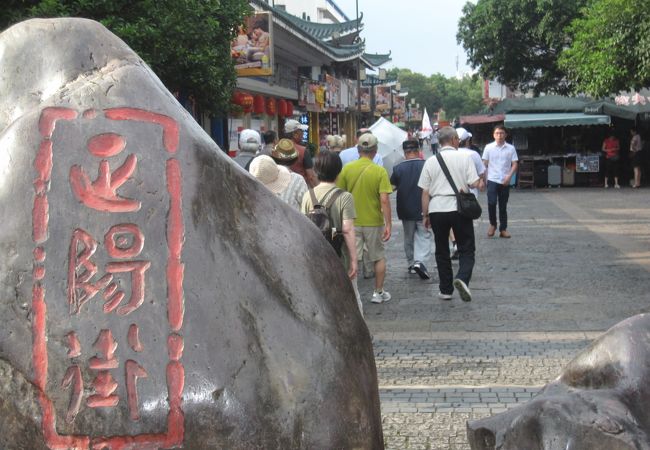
501	161
439	200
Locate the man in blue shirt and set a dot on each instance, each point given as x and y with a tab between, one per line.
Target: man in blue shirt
352	154
417	238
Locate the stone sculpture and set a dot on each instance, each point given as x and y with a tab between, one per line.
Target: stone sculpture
599	402
153	294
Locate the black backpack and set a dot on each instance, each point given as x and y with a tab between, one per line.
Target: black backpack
320	216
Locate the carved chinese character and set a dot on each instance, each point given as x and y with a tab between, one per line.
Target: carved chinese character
80	288
101	194
104	384
121	241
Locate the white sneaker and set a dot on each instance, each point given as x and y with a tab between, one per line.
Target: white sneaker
442	296
463	290
380	297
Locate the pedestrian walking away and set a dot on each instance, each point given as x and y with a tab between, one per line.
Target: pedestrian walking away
417	238
369	185
500	159
439	200
250	144
303	165
352	154
270	139
288	186
347	156
342	213
637	156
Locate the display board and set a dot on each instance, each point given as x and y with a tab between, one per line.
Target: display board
588	163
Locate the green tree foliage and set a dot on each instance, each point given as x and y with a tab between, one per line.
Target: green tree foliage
517	42
455	96
611	47
186	42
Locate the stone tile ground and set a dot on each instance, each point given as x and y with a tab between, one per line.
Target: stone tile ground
577	264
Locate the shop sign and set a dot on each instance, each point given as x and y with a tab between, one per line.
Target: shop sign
333	97
312	96
382	98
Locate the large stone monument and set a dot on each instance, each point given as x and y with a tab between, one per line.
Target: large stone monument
153	294
599	402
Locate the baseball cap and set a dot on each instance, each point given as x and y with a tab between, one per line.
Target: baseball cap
367	142
293	125
249	140
463	134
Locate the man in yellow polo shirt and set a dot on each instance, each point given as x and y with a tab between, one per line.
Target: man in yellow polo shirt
369	185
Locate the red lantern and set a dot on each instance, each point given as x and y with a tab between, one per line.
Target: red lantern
247	102
258	104
236	98
271	109
282	107
289	109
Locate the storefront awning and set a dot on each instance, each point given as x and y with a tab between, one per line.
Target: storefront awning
554	120
481	118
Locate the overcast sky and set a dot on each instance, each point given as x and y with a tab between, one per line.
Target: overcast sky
420	34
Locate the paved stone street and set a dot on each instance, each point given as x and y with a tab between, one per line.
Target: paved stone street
577	264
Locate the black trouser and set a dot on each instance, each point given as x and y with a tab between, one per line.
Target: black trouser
463	228
497	192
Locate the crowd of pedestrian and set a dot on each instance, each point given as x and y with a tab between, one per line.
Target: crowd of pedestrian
356	189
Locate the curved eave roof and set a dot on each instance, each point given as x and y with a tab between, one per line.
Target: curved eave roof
303	29
376	59
325	30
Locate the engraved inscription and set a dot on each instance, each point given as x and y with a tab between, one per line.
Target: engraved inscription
109	370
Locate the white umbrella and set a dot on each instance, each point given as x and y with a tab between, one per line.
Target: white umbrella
390	140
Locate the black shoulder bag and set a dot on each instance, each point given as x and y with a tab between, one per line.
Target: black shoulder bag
468	205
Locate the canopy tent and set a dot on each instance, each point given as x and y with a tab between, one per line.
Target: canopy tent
554	120
390	140
630	112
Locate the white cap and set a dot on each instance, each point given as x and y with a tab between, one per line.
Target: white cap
293	125
249	140
463	134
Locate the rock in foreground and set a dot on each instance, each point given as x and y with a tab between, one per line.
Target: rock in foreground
153	294
599	402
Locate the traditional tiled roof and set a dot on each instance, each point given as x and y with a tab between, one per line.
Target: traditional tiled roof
324	31
376	59
344	47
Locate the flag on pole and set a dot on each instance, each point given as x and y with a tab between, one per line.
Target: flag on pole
427	130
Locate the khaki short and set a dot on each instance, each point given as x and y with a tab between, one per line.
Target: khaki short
371	238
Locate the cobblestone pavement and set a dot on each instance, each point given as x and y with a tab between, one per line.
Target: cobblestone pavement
577	263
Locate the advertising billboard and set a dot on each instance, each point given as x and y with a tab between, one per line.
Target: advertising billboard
252	49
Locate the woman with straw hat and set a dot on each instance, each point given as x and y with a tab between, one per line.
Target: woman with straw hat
289	186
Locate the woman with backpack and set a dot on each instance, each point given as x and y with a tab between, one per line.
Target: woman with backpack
327	166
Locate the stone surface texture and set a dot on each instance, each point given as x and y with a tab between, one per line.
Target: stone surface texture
598	402
231	337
